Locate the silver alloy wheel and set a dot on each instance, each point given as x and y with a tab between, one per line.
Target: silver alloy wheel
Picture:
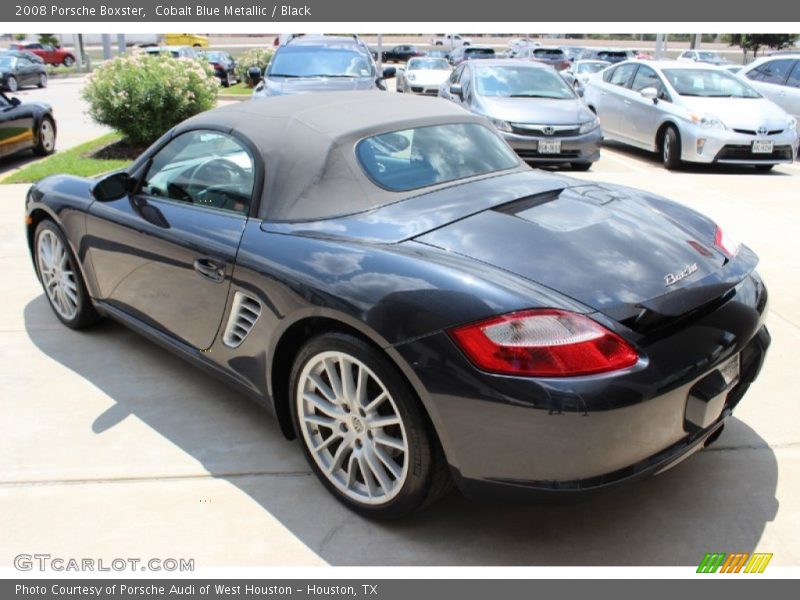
57	275
42	80
13	85
352	428
47	135
68	61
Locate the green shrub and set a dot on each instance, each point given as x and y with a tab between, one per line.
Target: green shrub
255	57
142	96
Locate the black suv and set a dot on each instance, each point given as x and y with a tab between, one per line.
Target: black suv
321	64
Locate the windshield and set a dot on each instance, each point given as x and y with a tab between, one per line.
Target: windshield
423	156
522	82
313	61
708	83
214	56
434	64
548	53
591	67
613	54
7	61
479	52
709	56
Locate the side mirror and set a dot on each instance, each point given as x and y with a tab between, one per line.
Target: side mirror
254	75
456	90
389	72
112	187
580	90
15	102
650	93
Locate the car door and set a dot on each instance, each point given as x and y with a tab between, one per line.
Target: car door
16	127
643	115
166	252
791	95
770	78
26	72
612	94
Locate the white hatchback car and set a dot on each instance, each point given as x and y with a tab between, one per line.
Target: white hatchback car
691	112
778	78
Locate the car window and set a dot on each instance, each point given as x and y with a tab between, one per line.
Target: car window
207	169
424	156
647	77
522	82
794	76
23	62
708	83
622	74
4	101
773	71
316	61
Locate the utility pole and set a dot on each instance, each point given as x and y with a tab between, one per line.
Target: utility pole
659	46
121	48
106	38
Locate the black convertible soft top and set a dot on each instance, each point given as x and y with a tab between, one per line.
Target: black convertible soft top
307	142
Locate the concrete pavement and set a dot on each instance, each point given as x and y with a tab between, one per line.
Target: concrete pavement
113	447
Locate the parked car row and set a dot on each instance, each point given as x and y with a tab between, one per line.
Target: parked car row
691	112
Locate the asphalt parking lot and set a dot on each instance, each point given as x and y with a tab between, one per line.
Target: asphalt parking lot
113	447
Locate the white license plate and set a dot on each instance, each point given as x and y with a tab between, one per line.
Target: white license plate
762	147
550	147
730	371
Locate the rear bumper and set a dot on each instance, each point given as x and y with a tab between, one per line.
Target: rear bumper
523	437
579	148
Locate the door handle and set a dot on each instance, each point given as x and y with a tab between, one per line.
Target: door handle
210	269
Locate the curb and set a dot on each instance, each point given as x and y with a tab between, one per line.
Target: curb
233	97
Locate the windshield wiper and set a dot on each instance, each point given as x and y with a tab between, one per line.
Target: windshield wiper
284	75
329	75
536	96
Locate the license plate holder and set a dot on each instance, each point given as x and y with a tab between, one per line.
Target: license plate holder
763	146
707	397
549	147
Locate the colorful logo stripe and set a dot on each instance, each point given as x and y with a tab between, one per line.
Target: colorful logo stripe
734	563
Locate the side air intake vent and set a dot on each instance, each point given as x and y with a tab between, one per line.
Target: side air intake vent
244	314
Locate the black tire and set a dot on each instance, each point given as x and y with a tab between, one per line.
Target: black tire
68	61
43	147
764	168
428	476
42	80
86	315
581	166
671	148
12	85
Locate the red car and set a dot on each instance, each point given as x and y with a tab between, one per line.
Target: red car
49	54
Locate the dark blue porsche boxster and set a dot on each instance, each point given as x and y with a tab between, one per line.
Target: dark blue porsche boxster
414	303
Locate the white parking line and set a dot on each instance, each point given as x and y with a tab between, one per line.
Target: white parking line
621	159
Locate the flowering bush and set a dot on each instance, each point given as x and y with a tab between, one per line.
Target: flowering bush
255	57
142	96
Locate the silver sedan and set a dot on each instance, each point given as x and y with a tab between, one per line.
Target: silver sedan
690	112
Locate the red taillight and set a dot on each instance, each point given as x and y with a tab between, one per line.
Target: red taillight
726	243
217	67
544	343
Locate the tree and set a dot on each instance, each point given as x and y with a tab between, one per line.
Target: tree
49	39
756	41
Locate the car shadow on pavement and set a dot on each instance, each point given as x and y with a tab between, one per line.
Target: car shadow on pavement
652	159
12	163
718	500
